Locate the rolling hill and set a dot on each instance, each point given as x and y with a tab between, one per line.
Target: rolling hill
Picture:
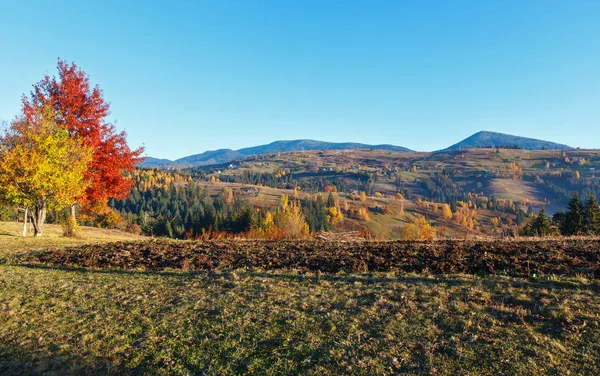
485	139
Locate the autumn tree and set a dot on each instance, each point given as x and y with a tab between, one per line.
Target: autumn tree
41	166
447	215
290	220
82	111
334	215
418	229
446	212
363	196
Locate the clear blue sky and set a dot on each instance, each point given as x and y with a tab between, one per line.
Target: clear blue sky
185	77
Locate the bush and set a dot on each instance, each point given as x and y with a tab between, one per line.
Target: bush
133	228
7	214
70	227
110	219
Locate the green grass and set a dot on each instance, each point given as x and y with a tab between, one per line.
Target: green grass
77	321
12	242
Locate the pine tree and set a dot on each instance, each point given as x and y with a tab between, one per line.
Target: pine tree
330	200
592	216
574	217
539	226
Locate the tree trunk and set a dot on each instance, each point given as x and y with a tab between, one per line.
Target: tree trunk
73	214
25	221
38	218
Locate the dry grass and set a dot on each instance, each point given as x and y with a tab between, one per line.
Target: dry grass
74	321
78	321
12	242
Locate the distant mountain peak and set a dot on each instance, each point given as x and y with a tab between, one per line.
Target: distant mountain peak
488	139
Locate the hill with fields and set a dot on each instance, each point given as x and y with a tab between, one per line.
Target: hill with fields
490	191
538	177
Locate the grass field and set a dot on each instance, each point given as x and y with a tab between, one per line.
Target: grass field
12	242
76	321
59	320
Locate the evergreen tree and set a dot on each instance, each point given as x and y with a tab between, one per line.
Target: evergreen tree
572	223
539	226
315	214
591	221
330	200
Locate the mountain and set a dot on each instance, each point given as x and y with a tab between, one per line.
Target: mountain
481	139
227	155
486	139
155	162
299	145
209	157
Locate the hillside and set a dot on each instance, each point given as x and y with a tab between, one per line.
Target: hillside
498	188
486	139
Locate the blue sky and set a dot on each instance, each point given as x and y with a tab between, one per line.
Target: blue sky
186	77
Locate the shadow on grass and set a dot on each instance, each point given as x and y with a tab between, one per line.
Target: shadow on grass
292	275
70	269
367	278
18	361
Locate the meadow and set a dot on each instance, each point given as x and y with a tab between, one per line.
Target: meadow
59	317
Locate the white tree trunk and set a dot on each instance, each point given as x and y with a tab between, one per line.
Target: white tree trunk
25	222
73	215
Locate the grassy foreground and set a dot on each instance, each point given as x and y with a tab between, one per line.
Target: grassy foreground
86	321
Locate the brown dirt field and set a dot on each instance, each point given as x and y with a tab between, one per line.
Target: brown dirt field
564	257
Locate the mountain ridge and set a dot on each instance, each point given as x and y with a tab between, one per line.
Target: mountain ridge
226	155
481	139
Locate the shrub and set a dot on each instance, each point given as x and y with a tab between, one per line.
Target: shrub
70	227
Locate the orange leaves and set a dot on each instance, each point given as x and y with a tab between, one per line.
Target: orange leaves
83	111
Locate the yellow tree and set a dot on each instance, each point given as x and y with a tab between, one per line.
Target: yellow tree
418	229
447	214
290	220
334	215
41	166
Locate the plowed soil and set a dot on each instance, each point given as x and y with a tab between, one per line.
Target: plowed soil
566	257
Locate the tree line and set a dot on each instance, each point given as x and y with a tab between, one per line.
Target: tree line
189	211
578	219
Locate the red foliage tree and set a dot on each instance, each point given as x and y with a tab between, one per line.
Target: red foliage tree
83	112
